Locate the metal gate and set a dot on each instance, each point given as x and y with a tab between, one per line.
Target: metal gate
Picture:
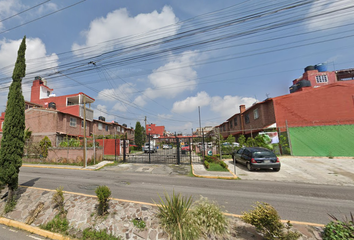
168	151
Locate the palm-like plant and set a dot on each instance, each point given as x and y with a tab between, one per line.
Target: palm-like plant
175	217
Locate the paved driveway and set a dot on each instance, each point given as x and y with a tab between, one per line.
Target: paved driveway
337	171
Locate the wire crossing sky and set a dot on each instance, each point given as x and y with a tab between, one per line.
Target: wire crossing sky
164	59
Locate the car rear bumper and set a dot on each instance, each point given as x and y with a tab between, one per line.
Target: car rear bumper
265	165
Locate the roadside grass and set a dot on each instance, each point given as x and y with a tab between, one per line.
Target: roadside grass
216	167
190	174
58	163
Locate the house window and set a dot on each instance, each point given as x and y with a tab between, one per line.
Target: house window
72	122
100	126
106	127
247	118
122	130
82	123
223	128
118	129
230	124
235	121
321	79
48	93
255	114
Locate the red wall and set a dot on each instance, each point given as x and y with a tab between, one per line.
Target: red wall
109	146
332	104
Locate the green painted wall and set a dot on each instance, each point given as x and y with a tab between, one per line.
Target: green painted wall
323	140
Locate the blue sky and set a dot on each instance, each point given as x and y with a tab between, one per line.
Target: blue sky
163	59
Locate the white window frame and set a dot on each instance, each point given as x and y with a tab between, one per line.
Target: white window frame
118	128
255	114
100	126
73	122
321	79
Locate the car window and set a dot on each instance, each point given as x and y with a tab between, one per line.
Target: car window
263	154
240	151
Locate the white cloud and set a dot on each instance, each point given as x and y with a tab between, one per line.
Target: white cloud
190	104
164	116
124	91
229	105
36	59
100	110
119	23
334	19
7	9
175	77
36	56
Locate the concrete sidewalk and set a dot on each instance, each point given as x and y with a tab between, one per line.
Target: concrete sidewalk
74	167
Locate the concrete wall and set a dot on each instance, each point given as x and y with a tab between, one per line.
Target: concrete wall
70	155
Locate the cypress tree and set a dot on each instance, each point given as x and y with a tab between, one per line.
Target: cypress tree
12	142
138	137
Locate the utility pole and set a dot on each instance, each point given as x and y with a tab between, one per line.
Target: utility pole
145	131
200	128
85	132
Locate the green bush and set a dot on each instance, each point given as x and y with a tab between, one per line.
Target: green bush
44	144
10	205
89	234
207	165
267	221
103	193
337	229
175	218
223	164
209	216
139	223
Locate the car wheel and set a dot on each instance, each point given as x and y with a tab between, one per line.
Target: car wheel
249	167
276	169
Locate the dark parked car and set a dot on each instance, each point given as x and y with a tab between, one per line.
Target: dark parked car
256	158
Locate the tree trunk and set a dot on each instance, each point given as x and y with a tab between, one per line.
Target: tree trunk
11	194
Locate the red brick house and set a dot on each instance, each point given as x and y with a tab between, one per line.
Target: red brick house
63	116
155	131
325	98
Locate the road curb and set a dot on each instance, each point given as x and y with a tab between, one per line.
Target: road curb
54	167
215	177
31	229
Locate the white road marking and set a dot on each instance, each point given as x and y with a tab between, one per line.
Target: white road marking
34	237
12	230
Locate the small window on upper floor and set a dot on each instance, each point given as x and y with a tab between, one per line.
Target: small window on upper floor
100	126
48	93
82	123
235	121
247	118
118	129
106	127
321	79
255	114
73	122
230	124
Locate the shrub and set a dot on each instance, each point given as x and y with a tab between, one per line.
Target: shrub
337	229
10	205
207	165
208	158
175	218
266	220
223	164
58	199
103	193
209	216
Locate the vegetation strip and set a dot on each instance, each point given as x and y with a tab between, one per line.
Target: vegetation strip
213	177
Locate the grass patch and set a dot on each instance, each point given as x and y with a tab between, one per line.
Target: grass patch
190	174
59	225
10	205
90	234
216	167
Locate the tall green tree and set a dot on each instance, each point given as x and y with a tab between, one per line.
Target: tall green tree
13	140
138	135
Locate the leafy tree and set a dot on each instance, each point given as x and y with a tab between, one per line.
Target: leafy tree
242	140
45	143
13	140
138	135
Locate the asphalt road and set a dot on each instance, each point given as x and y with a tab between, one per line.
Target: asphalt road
293	201
9	233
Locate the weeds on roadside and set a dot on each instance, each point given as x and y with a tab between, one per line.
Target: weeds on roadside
139	223
90	234
58	224
10	205
267	221
337	229
209	216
